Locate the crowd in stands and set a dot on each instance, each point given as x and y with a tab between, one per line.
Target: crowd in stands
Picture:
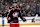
27	7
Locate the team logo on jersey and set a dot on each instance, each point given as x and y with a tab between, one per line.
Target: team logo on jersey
15	14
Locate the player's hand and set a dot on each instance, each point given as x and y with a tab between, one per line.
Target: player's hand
8	18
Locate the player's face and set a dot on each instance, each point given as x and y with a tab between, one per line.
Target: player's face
14	4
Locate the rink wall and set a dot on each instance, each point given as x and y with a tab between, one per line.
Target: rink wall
28	22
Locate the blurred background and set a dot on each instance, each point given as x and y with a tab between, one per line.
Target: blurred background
27	7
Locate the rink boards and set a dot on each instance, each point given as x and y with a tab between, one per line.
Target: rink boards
28	22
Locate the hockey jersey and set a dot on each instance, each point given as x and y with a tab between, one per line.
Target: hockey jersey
16	12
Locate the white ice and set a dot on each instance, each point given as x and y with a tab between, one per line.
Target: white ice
28	26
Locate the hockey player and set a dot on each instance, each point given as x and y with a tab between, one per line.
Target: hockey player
14	14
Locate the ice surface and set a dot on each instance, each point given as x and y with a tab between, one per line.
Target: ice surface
27	26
